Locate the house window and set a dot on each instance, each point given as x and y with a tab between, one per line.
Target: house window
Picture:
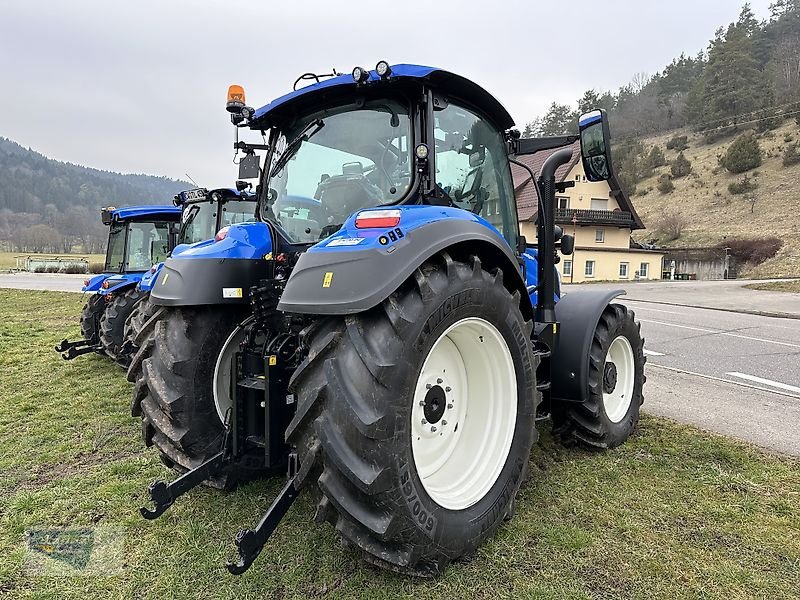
567	268
599	204
563	202
589	270
599	235
577	177
623	270
643	270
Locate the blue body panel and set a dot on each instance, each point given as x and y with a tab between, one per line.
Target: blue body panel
244	240
116	282
414	71
132	212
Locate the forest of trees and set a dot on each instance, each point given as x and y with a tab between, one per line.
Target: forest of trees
749	77
52	206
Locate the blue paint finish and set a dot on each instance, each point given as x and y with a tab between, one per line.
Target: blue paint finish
130	212
148	279
95	282
413	71
116	282
589	118
411	218
244	240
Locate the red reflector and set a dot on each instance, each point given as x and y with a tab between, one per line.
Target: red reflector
222	234
105	284
378	219
85	282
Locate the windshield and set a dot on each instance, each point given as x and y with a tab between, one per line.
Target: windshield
115	254
200	221
358	157
148	244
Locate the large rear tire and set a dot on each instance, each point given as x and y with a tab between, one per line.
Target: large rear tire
609	415
415	419
91	314
139	330
175	395
112	325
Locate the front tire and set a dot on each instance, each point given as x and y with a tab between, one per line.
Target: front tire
112	325
396	489
609	415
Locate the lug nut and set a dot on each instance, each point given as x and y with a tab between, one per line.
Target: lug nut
422	402
444	423
448	389
439	380
449	406
424	422
433	429
428	386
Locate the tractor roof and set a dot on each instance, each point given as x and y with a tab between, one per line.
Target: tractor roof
168	213
444	82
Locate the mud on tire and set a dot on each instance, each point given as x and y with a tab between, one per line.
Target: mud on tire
352	428
91	314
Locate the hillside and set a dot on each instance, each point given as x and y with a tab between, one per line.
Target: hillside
49	205
711	212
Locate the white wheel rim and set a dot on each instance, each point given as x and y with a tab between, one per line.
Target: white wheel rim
460	453
618	387
222	372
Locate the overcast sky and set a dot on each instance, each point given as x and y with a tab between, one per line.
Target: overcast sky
140	86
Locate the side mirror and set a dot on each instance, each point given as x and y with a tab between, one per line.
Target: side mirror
249	167
595	145
567	244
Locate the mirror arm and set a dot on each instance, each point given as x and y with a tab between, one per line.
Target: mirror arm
524	146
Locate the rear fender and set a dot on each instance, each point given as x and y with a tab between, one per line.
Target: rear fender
215	271
356	269
95	283
578	314
120	283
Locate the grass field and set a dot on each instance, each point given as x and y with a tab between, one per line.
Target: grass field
8	259
675	513
776	286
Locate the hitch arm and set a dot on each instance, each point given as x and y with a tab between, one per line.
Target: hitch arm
70	350
164	494
250	542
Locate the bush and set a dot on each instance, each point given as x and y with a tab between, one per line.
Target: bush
743	154
665	185
743	186
679	143
96	267
752	251
656	158
792	155
671	225
680	167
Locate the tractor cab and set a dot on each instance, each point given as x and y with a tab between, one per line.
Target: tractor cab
138	237
206	212
411	135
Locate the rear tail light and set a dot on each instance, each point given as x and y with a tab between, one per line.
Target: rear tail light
85	283
105	284
222	234
377	219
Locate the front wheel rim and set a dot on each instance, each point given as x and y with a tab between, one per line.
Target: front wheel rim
618	379
464	413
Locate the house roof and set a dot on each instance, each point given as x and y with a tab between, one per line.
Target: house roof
525	189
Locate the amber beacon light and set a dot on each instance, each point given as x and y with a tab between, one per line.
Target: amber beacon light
235	98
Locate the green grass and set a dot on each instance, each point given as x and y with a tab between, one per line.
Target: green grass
776	286
675	513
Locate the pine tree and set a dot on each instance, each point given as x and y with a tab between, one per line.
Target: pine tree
680	167
743	154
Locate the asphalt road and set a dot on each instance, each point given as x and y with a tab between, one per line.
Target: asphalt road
733	373
42	281
736	374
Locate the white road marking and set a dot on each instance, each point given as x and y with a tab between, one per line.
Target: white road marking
731	381
669	312
770	382
652	353
717	332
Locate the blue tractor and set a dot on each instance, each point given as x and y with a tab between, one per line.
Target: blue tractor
204	213
138	237
383	334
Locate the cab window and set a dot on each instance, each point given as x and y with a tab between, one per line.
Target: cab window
472	169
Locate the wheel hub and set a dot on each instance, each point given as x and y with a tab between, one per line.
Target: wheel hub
435	403
609	378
